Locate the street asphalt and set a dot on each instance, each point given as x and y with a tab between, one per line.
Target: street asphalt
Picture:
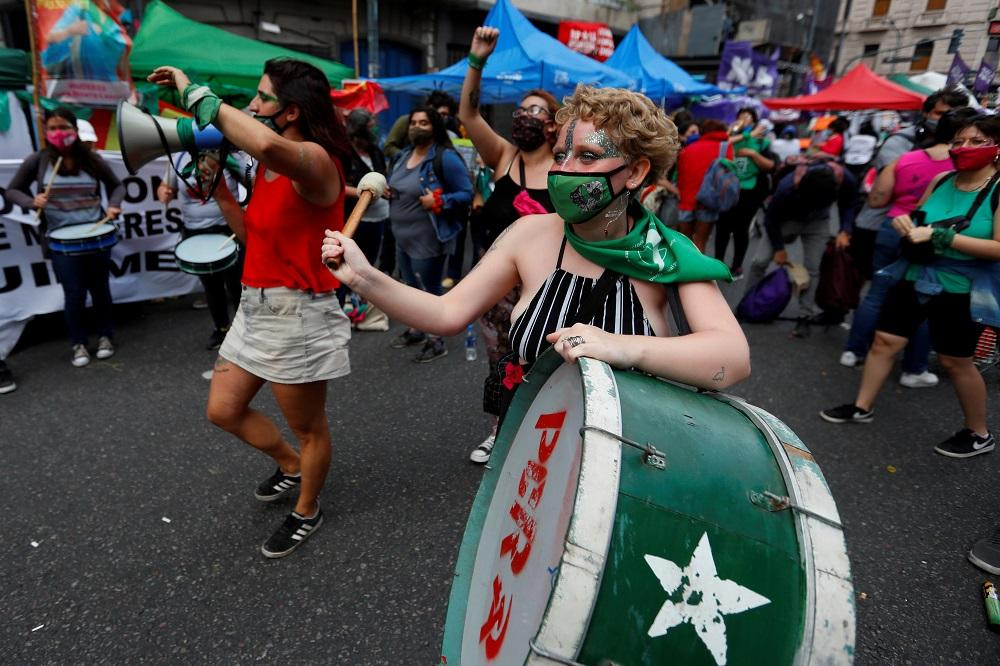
131	533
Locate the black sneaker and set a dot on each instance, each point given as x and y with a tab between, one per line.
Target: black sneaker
277	486
291	534
985	553
432	351
215	341
849	413
7	384
407	338
965	444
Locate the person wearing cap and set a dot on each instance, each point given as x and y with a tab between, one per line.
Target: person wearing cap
787	144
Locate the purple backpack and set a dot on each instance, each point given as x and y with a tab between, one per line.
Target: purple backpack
764	301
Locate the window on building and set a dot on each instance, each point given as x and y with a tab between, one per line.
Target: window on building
936	5
871	50
881	7
922	56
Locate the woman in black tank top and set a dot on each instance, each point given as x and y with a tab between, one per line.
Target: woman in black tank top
530	149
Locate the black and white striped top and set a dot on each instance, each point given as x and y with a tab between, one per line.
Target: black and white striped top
556	303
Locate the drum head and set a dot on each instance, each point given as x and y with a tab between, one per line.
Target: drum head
81	231
205	249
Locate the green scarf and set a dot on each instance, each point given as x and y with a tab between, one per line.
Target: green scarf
652	251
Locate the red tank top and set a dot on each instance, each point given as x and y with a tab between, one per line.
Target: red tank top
284	235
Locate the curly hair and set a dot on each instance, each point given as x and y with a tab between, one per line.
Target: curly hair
637	126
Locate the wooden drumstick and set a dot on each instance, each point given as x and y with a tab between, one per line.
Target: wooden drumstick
101	221
52	178
225	242
371	185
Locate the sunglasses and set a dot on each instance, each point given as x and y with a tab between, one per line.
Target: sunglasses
534	110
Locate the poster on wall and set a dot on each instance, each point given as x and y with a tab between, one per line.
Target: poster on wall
741	66
81	50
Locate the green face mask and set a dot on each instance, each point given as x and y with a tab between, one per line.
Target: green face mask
578	197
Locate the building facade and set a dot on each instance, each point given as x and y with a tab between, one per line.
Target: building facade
904	36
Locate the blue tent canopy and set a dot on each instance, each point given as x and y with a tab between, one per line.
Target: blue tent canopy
525	58
657	77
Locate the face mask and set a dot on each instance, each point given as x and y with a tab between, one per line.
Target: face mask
691	139
528	133
930	125
972	158
271	121
61	139
421	137
578	197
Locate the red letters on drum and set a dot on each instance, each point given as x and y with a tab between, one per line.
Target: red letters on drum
517	545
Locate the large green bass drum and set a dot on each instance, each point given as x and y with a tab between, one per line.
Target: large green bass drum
628	520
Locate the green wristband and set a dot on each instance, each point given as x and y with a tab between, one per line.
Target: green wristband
942	238
475	62
202	102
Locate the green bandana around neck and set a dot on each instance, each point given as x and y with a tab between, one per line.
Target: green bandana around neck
651	251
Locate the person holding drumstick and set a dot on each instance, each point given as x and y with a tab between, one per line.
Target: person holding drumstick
289	329
610	142
68	178
200	214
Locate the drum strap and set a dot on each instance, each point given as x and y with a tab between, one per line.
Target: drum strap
681	326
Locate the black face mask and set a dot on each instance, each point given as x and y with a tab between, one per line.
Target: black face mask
271	121
527	133
420	137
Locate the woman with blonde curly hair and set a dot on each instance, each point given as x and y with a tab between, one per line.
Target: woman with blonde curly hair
600	255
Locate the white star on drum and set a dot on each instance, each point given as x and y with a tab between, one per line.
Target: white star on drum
705	598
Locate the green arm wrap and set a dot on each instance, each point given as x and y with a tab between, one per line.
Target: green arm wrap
202	102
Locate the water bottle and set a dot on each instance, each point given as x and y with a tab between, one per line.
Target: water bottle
470	342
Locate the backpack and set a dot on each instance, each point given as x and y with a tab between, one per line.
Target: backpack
720	189
458	212
840	281
766	300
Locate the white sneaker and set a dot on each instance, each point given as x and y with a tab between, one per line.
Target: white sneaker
925	379
850	359
104	347
481	454
81	356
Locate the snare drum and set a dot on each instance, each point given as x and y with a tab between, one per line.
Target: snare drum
629	520
86	238
206	254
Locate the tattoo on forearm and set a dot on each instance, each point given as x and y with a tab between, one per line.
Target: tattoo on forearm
720	376
474	99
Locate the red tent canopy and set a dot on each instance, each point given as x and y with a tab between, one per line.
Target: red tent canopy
860	88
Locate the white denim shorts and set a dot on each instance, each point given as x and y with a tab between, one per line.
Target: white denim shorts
289	336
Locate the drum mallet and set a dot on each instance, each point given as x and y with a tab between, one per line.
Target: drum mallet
52	178
371	186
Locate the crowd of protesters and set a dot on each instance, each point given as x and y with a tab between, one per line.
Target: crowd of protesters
912	204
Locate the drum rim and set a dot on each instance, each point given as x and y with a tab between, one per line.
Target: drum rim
206	267
113	231
820	639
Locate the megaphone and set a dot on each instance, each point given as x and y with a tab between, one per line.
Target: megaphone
142	137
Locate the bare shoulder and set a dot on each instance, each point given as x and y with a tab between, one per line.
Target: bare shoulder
532	229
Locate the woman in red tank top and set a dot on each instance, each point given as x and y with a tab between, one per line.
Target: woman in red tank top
289	328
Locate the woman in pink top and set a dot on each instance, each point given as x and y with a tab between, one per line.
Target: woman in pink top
901	185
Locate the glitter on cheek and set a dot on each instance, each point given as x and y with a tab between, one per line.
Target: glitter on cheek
601	138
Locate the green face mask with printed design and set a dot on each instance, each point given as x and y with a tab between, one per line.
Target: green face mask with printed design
578	197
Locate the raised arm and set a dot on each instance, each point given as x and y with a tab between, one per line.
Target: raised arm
305	162
491	146
489	280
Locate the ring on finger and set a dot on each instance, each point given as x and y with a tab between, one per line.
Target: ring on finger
575	340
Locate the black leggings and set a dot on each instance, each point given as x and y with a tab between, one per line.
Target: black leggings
736	223
223	288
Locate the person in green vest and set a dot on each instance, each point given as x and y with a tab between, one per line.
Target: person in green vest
597	274
753	162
